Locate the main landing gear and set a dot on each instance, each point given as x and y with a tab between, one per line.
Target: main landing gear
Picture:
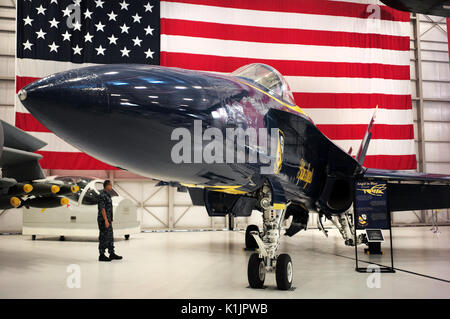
266	258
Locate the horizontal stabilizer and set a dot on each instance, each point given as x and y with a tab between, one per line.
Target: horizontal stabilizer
413	191
406	176
402	197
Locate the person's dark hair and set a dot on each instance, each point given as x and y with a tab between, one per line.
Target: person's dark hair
106	183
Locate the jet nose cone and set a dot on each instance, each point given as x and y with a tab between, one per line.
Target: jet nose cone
76	88
67	103
22	95
58	99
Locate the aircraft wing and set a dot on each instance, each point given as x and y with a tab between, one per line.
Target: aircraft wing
17	158
436	8
406	176
413	191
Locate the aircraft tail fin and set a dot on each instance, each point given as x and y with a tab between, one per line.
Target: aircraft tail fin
361	155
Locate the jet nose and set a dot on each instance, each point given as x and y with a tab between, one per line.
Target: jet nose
59	100
63	94
65	101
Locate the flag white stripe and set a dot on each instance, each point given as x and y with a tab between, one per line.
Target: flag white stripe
348	85
380	147
359	116
277	51
287	20
39	68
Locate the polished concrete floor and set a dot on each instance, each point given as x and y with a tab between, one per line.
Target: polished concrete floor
214	265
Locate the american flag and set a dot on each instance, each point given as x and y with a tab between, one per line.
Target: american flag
341	58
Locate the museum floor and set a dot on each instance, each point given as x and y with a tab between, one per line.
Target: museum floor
214	265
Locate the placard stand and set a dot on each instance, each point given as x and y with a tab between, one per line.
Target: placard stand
375	249
371	214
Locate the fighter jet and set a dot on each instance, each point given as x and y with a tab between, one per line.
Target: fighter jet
237	142
21	182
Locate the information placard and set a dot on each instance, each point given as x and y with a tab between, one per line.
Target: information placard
374	235
371	205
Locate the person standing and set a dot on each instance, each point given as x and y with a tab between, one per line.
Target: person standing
104	219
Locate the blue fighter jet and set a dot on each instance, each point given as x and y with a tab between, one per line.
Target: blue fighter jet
236	142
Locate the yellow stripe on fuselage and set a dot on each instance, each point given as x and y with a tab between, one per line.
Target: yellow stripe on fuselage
224	189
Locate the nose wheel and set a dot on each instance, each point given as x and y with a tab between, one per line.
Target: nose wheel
266	258
284	272
250	243
256	271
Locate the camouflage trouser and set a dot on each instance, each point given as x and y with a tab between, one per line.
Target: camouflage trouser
105	238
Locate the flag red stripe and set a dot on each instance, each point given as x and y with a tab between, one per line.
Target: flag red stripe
357	131
82	161
27	122
69	160
287	68
22	81
281	35
352	100
320	7
394	162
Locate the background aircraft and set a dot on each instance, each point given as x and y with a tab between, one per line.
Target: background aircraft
79	216
125	115
21	180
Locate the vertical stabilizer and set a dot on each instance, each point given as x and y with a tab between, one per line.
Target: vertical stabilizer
361	155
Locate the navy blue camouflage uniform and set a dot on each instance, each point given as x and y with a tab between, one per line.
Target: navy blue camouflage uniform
106	236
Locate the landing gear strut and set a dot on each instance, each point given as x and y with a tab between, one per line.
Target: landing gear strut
266	258
346	227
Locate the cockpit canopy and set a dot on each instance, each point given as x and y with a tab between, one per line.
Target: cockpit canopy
267	77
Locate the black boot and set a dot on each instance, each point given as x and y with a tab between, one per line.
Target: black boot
113	256
102	257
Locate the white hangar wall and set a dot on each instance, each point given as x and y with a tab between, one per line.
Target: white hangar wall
162	208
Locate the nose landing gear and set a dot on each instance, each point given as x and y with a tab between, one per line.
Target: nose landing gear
266	258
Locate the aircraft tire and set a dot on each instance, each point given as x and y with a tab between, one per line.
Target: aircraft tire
250	243
256	271
33	237
284	272
127	237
